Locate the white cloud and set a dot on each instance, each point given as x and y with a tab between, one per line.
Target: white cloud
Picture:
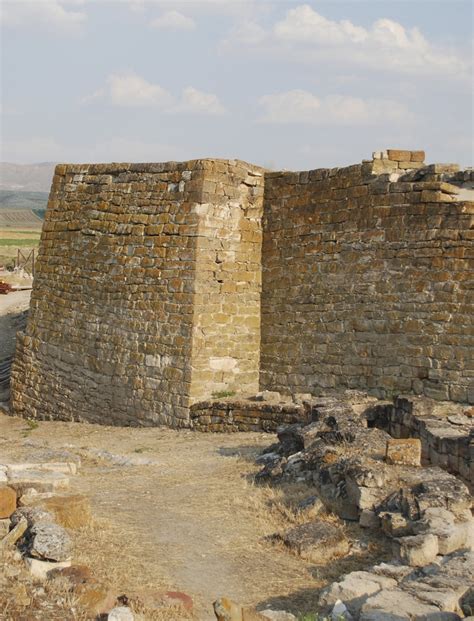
307	36
131	90
196	102
173	20
246	33
48	14
299	106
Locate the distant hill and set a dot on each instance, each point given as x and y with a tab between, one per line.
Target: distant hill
26	177
11	199
20	218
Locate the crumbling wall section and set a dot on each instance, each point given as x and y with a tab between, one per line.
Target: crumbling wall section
367	280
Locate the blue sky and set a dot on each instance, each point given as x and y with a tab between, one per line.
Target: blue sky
283	84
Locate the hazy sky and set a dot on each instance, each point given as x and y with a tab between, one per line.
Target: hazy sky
283	84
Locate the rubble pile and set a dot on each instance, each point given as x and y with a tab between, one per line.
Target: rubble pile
360	473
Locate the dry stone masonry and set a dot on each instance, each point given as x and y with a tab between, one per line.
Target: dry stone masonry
162	286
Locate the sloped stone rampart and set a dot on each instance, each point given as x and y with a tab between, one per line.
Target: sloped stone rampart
367	280
147	292
154	290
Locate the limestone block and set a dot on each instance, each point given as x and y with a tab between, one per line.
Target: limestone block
417	550
395	605
7	501
41	481
405	452
121	613
354	589
398	155
49	541
69	511
317	541
39	569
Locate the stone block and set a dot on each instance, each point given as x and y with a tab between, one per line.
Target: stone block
50	542
41	481
398	155
405	452
354	589
316	541
69	511
7	501
39	569
417	156
418	550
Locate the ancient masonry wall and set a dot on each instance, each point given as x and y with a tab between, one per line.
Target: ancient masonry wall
368	280
147	286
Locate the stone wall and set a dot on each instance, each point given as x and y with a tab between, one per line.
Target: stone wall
367	280
142	279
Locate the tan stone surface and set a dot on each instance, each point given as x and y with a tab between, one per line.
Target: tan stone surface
69	511
7	501
406	452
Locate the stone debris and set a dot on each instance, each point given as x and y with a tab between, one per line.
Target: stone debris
41	569
227	610
49	541
121	460
120	613
437	591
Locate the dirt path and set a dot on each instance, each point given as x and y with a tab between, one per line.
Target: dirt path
191	522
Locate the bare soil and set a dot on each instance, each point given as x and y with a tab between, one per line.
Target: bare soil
192	520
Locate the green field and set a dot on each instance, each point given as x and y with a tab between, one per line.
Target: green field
20	243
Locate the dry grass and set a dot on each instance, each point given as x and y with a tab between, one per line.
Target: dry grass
195	522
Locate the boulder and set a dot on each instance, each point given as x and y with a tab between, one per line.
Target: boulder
317	541
354	589
69	511
418	550
49	541
7	501
74	574
120	613
401	605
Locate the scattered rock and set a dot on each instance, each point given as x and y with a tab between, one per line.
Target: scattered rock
227	610
311	506
75	574
354	589
15	534
120	613
317	541
340	612
397	603
4	527
418	550
49	541
369	519
33	515
40	569
96	598
7	501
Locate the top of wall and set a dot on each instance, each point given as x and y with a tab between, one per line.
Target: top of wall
153	167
